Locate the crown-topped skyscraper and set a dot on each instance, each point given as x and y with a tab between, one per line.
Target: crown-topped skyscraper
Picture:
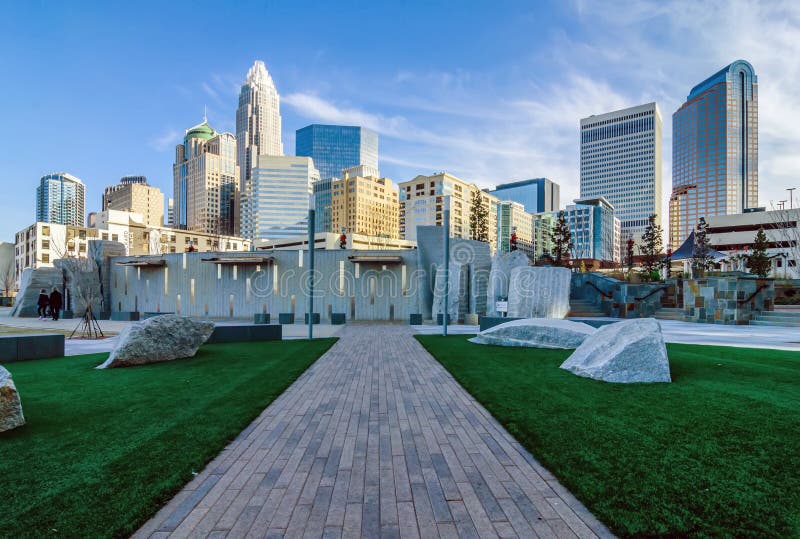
258	130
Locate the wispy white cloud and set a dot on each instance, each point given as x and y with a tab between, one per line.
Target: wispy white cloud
164	141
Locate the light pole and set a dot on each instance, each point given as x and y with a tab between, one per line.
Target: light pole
446	264
791	193
311	266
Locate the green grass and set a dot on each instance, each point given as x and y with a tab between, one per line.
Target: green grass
103	450
715	453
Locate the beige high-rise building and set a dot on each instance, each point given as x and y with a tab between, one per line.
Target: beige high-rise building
365	205
132	194
422	203
205	178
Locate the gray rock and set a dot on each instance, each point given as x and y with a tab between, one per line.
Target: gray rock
101	251
536	333
30	283
457	299
624	352
161	338
500	275
10	407
539	292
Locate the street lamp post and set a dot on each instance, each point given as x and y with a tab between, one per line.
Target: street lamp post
446	264
311	235
791	193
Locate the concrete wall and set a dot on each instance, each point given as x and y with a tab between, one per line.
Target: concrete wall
190	286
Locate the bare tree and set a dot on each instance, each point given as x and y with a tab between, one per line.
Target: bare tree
786	232
8	278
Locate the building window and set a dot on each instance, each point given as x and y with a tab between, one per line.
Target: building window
45	258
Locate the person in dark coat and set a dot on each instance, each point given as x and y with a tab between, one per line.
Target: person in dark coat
55	303
42	303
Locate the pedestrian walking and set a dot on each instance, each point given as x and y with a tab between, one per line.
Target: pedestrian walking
55	303
44	300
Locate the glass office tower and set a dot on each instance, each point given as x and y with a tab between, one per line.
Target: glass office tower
337	147
715	150
537	195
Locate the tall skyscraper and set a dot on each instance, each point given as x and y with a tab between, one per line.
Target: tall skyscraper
258	131
279	197
205	181
61	199
337	147
621	161
715	150
132	194
537	195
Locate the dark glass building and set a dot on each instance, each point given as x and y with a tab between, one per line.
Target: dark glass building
337	147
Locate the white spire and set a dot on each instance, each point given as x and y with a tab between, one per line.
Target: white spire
258	75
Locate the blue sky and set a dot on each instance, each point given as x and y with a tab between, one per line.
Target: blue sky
489	91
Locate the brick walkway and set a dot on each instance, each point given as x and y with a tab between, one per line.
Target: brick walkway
375	440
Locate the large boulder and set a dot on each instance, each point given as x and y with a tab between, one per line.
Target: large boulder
624	352
161	338
536	333
499	277
26	304
10	408
539	292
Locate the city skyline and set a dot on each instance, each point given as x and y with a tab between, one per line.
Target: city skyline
451	111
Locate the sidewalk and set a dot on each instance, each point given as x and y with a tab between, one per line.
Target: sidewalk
375	440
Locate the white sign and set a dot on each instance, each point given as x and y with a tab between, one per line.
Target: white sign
501	306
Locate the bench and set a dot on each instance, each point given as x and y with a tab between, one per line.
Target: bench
125	316
31	346
245	333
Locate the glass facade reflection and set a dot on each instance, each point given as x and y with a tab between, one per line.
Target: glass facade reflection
715	149
61	199
337	147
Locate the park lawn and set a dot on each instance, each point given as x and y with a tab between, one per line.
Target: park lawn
102	450
715	453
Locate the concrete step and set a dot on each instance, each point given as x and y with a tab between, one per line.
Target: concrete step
669	313
779	314
775	323
574	314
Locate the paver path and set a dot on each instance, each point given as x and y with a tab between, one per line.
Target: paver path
376	439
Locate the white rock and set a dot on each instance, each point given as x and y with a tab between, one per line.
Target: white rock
10	407
624	352
500	275
536	333
161	338
539	292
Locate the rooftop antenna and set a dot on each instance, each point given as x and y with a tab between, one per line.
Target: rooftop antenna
205	114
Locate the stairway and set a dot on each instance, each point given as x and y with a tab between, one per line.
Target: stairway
581	308
776	318
669	313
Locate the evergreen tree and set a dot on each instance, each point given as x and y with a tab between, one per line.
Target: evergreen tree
758	262
651	246
701	254
562	240
478	218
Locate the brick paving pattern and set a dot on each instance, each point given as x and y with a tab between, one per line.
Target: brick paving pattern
376	439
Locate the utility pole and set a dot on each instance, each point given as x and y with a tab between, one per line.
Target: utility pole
446	264
311	267
791	193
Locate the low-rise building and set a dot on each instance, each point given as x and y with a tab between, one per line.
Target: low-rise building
39	244
543	226
735	234
331	241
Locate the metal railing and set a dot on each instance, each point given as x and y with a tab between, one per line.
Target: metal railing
751	296
659	289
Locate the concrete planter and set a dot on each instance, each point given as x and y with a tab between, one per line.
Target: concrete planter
315	318
415	320
261	318
286	318
337	319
